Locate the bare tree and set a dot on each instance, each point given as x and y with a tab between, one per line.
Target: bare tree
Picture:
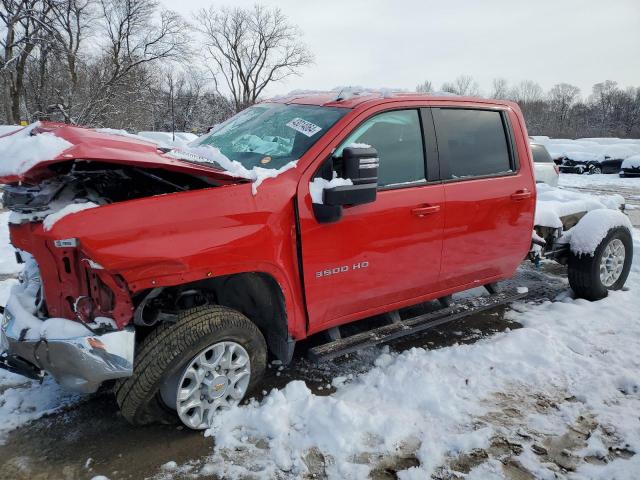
463	85
25	25
71	19
562	96
425	87
500	89
527	91
249	49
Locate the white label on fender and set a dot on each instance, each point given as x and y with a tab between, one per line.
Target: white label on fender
306	128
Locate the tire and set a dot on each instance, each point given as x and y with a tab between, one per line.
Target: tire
594	170
168	349
584	270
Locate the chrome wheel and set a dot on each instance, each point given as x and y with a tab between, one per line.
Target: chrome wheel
215	379
612	262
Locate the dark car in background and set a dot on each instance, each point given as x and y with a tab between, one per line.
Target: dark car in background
590	166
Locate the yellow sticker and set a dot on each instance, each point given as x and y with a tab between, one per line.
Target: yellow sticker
265	160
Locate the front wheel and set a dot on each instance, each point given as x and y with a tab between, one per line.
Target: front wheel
206	362
592	276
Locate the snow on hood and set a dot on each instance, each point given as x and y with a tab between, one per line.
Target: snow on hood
208	153
23	149
50	220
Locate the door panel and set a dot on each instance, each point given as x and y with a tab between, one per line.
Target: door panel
377	254
488	219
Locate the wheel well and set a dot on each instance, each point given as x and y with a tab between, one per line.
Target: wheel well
256	295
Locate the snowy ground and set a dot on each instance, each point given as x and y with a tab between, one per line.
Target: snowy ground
557	398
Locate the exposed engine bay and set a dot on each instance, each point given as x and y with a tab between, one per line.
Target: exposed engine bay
100	183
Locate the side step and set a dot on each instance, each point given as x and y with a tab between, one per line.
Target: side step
410	326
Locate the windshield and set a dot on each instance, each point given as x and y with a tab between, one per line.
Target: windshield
271	135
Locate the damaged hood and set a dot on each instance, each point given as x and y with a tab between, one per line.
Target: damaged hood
26	154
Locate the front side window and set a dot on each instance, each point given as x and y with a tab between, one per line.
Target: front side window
270	135
475	142
397	137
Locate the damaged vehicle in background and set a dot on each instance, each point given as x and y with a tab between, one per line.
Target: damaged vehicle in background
174	273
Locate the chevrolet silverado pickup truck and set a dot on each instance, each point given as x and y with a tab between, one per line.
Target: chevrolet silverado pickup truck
173	275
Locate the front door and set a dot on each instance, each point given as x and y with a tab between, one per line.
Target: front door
385	252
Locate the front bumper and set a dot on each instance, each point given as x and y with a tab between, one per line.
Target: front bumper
76	357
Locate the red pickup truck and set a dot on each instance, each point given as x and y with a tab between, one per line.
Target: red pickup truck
292	218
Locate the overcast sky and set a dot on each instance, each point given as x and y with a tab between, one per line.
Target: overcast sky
398	44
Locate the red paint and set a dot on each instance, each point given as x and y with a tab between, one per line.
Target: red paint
410	245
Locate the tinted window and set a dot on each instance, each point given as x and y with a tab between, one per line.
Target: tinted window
398	139
540	154
474	142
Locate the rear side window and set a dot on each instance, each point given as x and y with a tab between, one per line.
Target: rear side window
540	154
474	141
397	137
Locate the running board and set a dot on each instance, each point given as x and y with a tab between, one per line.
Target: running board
410	326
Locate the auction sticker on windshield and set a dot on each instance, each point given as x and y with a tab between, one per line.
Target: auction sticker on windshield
306	128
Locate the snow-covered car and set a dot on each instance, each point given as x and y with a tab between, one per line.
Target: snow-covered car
587	162
546	171
630	167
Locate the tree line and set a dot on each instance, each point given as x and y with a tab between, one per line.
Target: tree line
562	112
135	65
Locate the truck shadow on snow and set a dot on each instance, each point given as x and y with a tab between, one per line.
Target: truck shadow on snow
91	438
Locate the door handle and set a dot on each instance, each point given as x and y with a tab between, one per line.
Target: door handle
426	210
521	195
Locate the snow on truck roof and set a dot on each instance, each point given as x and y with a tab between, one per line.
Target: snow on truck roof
353	98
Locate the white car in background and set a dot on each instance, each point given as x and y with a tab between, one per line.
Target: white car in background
546	170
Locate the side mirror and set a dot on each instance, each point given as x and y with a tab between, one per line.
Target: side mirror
360	165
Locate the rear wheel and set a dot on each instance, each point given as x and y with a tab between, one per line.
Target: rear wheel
595	170
591	277
208	361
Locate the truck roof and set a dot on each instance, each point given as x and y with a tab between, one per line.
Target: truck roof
351	99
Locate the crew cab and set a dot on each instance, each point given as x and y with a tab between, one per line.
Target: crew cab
177	272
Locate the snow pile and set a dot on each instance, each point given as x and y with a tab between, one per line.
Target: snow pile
632	162
555	203
22	304
208	153
21	150
23	400
319	184
70	209
8	263
585	237
582	356
6	129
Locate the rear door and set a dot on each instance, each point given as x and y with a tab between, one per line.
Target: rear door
384	253
489	195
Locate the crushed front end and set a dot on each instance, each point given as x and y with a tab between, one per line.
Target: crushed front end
67	316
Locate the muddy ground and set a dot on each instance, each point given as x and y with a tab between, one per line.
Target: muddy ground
91	438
